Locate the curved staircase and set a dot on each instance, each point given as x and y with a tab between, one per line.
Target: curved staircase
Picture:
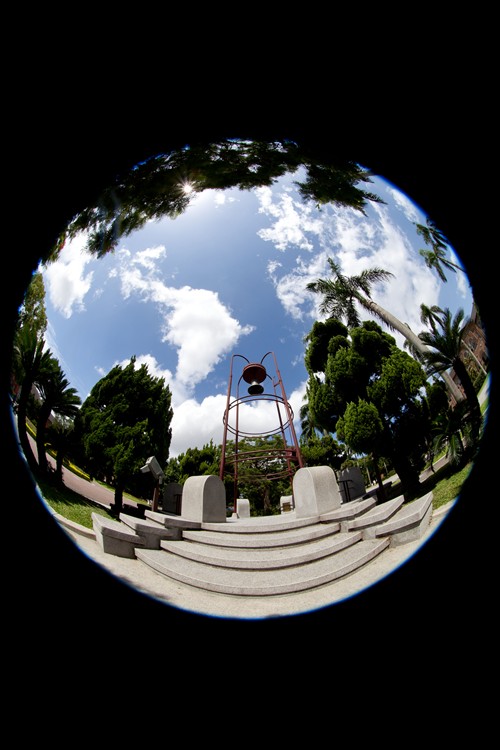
272	555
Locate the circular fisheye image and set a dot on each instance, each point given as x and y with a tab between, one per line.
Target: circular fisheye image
250	382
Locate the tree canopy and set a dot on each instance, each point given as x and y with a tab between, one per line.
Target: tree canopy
341	293
370	394
33	313
125	419
162	186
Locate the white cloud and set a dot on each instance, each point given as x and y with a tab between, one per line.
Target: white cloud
221	198
148	257
404	204
65	280
357	243
293	220
195	321
291	287
194	424
202	329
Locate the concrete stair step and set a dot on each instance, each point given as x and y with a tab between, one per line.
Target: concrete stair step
171	521
409	522
261	524
263	582
377	515
262	540
258	558
349	510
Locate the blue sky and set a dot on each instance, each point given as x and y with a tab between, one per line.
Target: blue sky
229	277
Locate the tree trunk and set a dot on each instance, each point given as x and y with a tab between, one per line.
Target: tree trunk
59	464
23	433
414	340
40	438
381	493
267	501
470	394
409	477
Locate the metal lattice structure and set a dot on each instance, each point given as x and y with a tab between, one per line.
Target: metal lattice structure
281	457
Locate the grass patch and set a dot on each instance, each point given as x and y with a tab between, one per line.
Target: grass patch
449	487
445	484
70	504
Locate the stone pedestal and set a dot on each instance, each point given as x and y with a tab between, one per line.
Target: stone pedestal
204	499
315	491
243	508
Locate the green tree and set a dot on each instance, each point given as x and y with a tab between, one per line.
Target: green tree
58	397
451	432
370	395
444	343
60	437
194	462
340	293
322	451
263	473
125	419
32	312
30	363
361	426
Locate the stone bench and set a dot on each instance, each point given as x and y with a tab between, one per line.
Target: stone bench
150	532
114	537
409	523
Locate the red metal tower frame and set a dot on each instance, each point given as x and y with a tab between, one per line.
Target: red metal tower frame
255	374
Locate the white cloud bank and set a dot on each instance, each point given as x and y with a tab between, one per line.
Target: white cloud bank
356	243
66	280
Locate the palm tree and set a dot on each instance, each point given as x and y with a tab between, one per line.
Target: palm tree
444	350
340	295
451	430
59	436
30	361
307	427
57	397
431	316
435	259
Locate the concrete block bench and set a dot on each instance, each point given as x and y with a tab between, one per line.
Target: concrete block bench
114	537
150	532
409	523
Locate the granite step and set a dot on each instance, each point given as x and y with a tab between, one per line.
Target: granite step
259	558
262	540
263	582
372	518
261	524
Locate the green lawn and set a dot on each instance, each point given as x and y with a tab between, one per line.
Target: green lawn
70	504
445	485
